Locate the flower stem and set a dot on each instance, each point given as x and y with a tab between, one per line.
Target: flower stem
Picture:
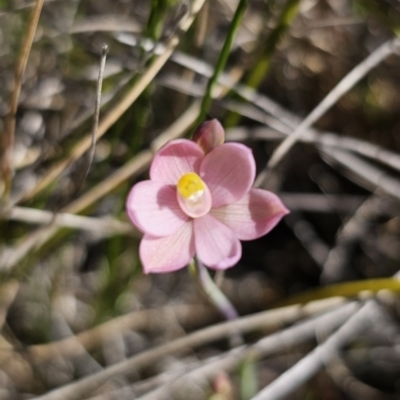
213	292
217	298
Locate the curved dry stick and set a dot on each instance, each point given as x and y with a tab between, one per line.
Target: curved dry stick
265	320
96	117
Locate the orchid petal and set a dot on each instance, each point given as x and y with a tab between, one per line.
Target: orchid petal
216	245
154	209
253	216
229	171
168	253
175	159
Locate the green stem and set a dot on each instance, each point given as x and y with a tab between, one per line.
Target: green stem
213	292
223	57
157	13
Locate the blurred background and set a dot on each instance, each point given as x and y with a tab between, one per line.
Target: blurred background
69	264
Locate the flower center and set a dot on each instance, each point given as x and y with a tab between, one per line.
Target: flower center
193	195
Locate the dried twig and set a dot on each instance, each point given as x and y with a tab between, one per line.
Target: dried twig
106	226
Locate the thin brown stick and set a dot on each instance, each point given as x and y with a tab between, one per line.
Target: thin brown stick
8	137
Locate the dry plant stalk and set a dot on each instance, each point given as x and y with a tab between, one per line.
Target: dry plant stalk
8	136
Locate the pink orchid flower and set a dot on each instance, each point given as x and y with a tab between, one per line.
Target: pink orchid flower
199	200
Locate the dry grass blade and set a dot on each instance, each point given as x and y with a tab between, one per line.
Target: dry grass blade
8	136
101	226
97	105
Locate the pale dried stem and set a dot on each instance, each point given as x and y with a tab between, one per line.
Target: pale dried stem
364	172
96	117
8	136
101	226
308	237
